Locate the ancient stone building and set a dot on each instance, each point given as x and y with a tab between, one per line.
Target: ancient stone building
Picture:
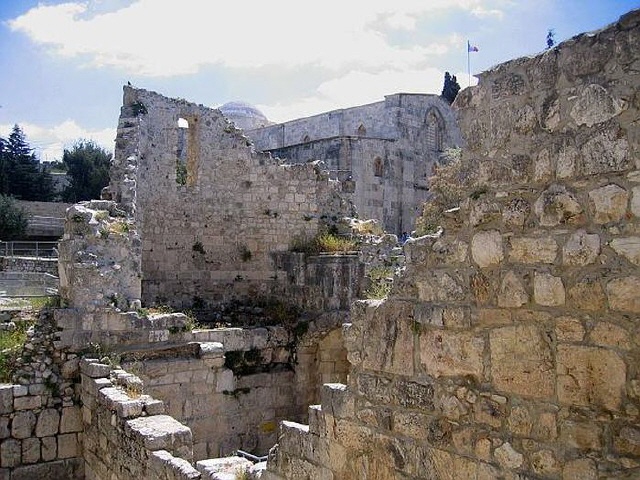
386	150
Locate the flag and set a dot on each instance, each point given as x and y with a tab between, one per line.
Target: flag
471	48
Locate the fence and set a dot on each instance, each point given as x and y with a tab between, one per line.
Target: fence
45	250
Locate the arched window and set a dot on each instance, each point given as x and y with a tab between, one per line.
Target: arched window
378	167
186	153
361	132
434	130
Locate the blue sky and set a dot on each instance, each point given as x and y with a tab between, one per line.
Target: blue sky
64	63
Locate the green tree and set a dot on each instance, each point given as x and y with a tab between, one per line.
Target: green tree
13	220
88	170
451	87
21	175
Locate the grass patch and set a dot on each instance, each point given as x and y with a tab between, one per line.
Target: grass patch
11	342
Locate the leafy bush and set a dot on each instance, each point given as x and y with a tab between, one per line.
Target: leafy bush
13	220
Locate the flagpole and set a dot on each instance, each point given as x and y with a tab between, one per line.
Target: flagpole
469	62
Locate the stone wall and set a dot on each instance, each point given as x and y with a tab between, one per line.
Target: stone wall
33	265
510	347
386	149
40	419
126	433
209	210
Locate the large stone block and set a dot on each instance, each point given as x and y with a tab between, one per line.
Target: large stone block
605	153
160	432
548	290
22	424
48	422
594	105
557	206
533	250
6	399
623	294
452	353
587	294
512	291
486	248
71	420
608	203
590	376
10	453
581	249
628	247
522	361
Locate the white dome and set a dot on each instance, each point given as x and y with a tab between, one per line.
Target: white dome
244	115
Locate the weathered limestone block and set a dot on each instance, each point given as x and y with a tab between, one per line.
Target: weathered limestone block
590	376
607	334
628	247
587	294
68	446
10	453
161	462
623	294
581	435
508	457
30	450
451	353
522	361
71	420
439	286
543	168
566	162
548	290
580	469
512	291
483	211
594	105
515	212
544	462
608	203
29	402
486	248
627	441
22	424
569	329
6	399
557	206
48	422
49	449
215	468
338	400
604	153
161	432
533	250
388	343
581	249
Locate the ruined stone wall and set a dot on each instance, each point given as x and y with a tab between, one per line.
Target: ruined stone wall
510	348
209	210
40	418
388	148
126	433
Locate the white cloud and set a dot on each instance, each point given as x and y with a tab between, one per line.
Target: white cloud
49	142
165	37
357	88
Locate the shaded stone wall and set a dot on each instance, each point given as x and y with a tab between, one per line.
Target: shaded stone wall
387	148
510	347
21	264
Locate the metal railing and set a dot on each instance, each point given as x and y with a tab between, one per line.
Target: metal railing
47	250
